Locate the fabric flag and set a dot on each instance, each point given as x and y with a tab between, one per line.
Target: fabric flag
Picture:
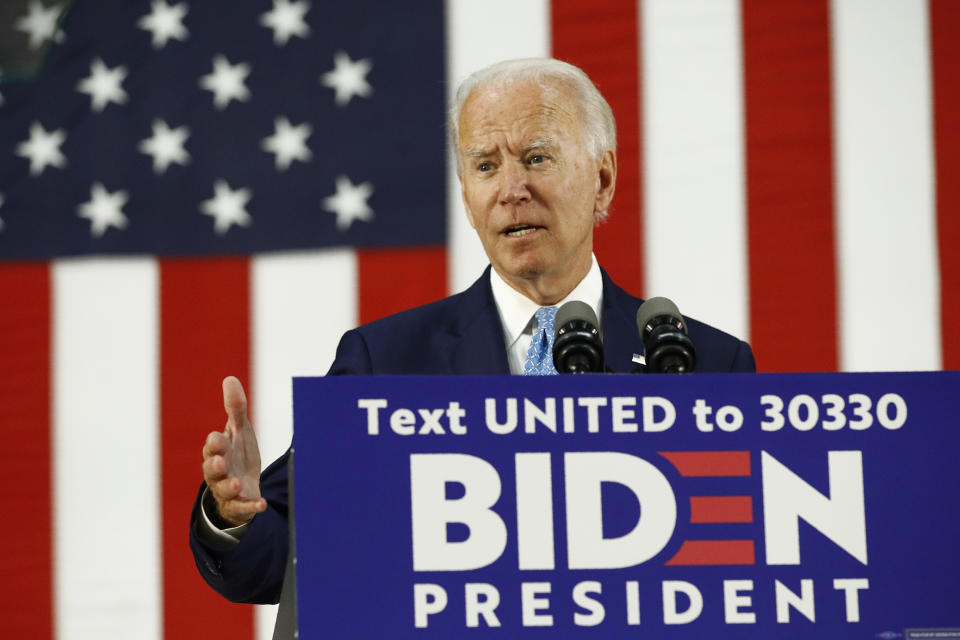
195	189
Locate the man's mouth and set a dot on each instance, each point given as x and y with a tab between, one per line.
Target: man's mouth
520	230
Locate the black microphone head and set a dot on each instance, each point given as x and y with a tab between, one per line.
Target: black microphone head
664	333
575	310
655	311
577	343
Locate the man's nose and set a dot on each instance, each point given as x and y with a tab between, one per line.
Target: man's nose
513	184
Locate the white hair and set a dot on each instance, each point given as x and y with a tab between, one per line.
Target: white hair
599	127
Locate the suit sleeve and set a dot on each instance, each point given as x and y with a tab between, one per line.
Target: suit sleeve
252	570
353	356
743	361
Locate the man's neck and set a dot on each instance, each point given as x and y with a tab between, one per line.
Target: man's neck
545	290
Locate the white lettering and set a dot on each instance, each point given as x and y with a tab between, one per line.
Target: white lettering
373	406
533	414
851	588
427	599
581	597
670	590
431	511
650	422
401	422
534	511
586	546
802	603
454	413
633	602
531	603
733	601
490	411
593	418
787	498
477	607
619	414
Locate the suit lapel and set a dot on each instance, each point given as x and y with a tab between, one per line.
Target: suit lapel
474	342
620	338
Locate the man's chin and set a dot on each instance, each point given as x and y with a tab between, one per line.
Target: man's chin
528	269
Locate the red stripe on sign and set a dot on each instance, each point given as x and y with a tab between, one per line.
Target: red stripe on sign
391	280
945	42
26	591
714	552
601	38
787	84
204	336
716	509
698	464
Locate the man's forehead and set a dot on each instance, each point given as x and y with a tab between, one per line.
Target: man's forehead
517	104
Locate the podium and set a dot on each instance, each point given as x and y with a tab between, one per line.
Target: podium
614	506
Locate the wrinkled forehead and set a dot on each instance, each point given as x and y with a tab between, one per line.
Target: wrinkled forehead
517	105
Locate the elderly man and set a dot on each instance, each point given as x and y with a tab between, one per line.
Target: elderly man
535	145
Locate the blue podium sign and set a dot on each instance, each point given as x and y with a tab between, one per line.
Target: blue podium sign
708	506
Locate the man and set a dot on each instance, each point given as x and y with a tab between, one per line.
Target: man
536	154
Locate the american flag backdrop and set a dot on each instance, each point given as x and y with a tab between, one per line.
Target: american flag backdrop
195	189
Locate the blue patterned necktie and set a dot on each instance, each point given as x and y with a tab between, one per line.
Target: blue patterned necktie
540	355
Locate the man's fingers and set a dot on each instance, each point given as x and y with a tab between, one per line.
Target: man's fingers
240	511
214	469
225	489
234	401
217	444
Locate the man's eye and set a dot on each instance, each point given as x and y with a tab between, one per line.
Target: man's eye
536	159
484	166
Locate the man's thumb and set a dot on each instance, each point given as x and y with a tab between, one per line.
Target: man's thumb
234	400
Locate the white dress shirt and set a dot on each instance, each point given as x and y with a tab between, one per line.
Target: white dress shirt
516	311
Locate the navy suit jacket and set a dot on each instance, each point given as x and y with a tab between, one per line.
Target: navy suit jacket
459	335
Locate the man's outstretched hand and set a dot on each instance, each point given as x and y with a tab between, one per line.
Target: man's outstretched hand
231	460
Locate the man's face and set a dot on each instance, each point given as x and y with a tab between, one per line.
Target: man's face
530	187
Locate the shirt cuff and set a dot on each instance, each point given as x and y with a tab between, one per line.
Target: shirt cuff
212	533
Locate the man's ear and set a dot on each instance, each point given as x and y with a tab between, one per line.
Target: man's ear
606	180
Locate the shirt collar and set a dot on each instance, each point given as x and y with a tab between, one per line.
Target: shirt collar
516	309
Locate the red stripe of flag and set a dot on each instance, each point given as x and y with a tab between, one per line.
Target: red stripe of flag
601	38
713	464
945	43
26	591
204	336
391	280
715	509
713	552
787	84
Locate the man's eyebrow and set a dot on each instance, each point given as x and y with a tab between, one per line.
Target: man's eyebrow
479	153
538	144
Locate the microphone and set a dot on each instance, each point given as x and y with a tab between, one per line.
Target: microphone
664	333
577	345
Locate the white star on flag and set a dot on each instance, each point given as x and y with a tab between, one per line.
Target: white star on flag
286	19
40	23
165	22
348	78
349	203
43	148
104	209
227	207
103	85
226	82
166	146
289	143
